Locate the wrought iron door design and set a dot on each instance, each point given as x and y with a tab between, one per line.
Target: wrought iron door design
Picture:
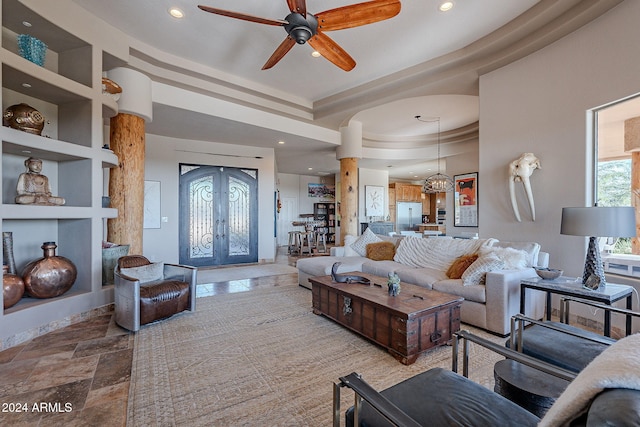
218	215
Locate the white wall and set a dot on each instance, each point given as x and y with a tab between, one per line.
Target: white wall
163	155
539	104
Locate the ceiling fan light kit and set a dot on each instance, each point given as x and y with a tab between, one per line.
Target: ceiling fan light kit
303	27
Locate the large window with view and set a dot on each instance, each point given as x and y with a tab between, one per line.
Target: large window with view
617	142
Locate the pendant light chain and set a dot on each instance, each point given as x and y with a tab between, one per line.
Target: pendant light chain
438	183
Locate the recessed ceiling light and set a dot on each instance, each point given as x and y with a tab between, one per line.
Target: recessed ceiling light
310	169
316	54
27	24
446	6
176	13
281	142
27	85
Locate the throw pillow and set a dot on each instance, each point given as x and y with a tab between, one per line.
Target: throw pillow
531	248
348	241
381	251
476	273
145	273
460	265
360	245
514	259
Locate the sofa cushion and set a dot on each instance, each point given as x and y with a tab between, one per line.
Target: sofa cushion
460	265
436	253
531	248
380	268
145	273
475	274
381	251
513	259
321	266
475	293
360	245
424	276
348	241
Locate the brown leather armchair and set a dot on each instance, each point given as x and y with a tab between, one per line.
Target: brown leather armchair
146	291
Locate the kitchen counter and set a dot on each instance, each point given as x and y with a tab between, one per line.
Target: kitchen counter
432	226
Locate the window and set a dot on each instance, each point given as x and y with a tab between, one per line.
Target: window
613	181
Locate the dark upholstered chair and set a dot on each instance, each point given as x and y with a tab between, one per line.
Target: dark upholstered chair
558	343
146	291
439	397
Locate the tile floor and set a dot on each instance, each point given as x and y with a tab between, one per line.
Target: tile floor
79	375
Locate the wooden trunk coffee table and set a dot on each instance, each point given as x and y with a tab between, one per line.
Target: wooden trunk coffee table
406	325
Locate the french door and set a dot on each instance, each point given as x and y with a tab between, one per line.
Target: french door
218	215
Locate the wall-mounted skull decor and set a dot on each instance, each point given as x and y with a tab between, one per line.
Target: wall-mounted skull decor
519	171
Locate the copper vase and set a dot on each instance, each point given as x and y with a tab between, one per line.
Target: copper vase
12	288
49	276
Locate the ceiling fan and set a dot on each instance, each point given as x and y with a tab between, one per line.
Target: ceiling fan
305	27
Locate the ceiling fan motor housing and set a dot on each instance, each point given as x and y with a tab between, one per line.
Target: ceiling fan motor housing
300	28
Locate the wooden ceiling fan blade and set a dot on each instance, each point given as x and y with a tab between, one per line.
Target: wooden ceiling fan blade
243	16
279	53
358	14
332	51
298	6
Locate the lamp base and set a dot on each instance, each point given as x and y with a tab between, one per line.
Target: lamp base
593	276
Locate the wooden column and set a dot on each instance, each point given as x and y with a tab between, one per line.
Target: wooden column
348	197
126	182
632	144
635	198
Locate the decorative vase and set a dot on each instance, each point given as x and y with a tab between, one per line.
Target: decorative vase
49	276
7	251
32	49
110	257
12	288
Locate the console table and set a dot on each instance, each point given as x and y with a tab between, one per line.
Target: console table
607	294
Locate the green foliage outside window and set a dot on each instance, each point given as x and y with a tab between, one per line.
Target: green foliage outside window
614	189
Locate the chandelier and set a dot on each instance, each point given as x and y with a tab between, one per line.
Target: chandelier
438	183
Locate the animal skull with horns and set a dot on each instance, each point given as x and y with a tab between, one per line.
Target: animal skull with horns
519	171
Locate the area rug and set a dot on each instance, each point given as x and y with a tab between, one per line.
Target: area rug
225	274
262	358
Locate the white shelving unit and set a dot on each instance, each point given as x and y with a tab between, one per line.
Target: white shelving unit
68	92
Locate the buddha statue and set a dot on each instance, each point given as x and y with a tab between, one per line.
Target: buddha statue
33	187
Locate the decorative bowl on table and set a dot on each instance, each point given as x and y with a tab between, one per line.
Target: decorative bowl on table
549	273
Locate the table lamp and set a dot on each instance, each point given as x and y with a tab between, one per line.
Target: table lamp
595	222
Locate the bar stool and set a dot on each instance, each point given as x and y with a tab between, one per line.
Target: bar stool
321	238
294	242
306	239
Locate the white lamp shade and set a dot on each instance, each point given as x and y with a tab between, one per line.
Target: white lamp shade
619	221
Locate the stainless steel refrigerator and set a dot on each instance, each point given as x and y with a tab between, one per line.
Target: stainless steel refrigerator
408	216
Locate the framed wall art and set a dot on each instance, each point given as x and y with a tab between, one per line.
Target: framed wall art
373	200
465	201
151	204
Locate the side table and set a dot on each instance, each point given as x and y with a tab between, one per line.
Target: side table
607	294
534	390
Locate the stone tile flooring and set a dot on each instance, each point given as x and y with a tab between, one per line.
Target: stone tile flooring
79	375
75	376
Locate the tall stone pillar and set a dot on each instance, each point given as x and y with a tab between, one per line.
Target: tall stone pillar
632	144
127	140
348	153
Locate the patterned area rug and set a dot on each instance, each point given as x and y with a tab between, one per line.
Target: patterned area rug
225	274
262	358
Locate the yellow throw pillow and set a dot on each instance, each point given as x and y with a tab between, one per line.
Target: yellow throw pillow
381	251
460	265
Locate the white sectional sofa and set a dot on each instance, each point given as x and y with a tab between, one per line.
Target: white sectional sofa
488	303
